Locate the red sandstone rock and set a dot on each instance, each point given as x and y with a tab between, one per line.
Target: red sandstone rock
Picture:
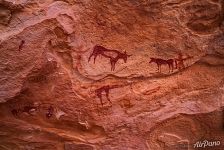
50	95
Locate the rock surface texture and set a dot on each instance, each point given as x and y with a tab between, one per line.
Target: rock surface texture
54	96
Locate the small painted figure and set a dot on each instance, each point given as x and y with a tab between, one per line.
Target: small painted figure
180	61
50	112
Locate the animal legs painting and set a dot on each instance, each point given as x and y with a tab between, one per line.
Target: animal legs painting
111	74
159	62
100	91
176	63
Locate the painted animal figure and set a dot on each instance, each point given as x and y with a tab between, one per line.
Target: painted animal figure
100	50
99	92
161	62
105	89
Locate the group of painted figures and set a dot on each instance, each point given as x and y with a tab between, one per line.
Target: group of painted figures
177	63
100	50
113	56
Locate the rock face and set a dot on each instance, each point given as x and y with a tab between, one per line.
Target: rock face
126	74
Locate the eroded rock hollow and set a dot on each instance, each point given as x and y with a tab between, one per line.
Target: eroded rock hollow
111	74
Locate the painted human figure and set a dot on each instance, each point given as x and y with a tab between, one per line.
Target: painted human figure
180	61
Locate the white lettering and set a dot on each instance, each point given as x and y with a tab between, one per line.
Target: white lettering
206	143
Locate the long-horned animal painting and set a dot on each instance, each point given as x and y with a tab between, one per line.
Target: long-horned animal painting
160	62
105	89
100	50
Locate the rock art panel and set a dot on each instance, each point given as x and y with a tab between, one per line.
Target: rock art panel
96	74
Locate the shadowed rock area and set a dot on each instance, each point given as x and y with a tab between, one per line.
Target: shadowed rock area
111	75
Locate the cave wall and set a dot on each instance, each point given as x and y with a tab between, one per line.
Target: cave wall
54	96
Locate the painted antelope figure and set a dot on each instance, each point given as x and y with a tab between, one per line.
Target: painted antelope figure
161	62
105	89
100	50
